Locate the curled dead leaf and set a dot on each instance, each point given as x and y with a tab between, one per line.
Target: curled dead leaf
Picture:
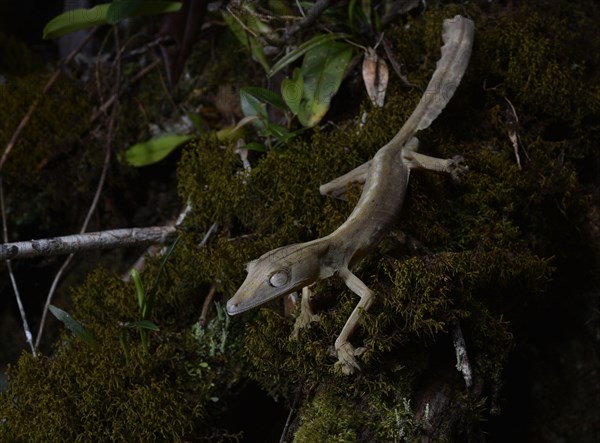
375	75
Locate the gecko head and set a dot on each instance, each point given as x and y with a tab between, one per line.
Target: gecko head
276	273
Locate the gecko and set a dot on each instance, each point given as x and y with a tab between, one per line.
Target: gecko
384	181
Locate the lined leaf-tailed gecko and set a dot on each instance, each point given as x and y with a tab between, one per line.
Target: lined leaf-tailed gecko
385	179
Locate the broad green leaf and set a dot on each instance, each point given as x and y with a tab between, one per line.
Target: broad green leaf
294	55
323	70
265	95
249	41
80	18
121	9
278	131
152	151
291	91
76	20
73	325
252	106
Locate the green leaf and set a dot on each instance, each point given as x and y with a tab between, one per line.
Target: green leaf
75	20
280	132
291	91
80	18
121	9
255	146
142	324
319	79
153	151
73	325
252	106
308	45
265	95
139	289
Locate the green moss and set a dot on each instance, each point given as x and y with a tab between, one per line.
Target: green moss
328	418
479	252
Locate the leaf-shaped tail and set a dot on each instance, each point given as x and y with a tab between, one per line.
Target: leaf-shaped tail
458	42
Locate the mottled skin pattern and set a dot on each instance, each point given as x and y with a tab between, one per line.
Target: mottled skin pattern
385	179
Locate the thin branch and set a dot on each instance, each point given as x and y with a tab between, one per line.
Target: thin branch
311	16
25	120
113	98
206	306
289	418
71	244
26	329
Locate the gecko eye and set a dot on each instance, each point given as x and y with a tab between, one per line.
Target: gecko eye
279	278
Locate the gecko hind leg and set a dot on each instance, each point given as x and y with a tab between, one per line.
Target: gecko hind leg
337	187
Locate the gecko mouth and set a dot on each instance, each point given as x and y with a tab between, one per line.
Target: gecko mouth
235	306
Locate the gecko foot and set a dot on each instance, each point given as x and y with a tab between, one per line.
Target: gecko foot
347	354
457	167
304	319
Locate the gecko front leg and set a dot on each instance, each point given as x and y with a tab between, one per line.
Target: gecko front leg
306	316
347	353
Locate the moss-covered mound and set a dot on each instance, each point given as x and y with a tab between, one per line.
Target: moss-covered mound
482	255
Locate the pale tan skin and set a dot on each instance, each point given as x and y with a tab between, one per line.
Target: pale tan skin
385	179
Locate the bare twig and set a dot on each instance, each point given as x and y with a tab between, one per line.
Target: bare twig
85	242
210	231
310	17
25	120
206	305
113	98
26	329
462	359
290	415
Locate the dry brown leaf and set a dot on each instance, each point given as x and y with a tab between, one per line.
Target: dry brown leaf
375	75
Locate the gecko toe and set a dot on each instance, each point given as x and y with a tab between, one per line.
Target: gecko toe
347	362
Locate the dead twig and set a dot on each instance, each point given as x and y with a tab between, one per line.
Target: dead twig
85	242
309	18
462	359
206	306
26	329
291	414
104	107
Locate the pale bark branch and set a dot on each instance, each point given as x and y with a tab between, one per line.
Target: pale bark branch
84	242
